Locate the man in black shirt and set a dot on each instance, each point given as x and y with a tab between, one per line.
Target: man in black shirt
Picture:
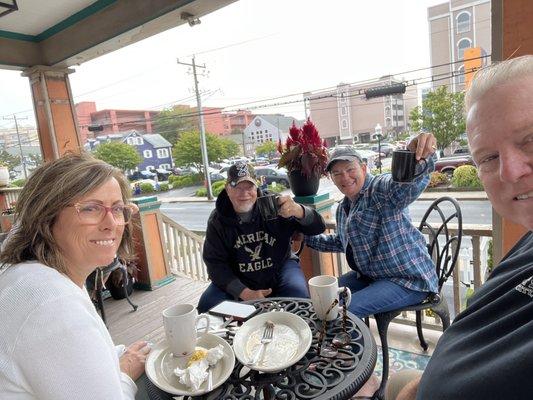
487	353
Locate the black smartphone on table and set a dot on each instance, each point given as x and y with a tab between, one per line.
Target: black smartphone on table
235	310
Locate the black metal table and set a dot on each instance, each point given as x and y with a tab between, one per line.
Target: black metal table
313	377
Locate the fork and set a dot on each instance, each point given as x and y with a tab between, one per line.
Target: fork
265	339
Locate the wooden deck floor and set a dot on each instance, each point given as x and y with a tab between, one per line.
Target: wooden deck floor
146	323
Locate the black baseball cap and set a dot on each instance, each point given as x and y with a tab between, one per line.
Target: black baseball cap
343	153
240	172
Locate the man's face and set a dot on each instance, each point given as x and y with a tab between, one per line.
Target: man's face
349	177
242	196
500	134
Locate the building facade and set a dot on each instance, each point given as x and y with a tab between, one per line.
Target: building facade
344	115
264	128
454	27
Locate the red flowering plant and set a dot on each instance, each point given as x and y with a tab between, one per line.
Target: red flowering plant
304	151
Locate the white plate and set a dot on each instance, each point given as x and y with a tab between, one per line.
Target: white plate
160	366
290	342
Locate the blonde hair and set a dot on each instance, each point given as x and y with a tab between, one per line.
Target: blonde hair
50	189
497	74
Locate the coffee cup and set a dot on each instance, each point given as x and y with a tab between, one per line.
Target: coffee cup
324	290
404	164
268	206
180	322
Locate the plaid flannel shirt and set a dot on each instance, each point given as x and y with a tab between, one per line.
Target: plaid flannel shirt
385	243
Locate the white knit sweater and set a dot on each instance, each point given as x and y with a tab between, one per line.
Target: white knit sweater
53	344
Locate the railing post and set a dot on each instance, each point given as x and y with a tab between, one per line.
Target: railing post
152	257
313	262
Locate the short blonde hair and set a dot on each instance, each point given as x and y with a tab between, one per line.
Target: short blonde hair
497	74
50	189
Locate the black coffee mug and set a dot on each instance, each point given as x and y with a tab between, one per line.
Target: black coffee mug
404	164
268	206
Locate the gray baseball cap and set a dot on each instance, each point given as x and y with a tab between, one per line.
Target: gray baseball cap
343	153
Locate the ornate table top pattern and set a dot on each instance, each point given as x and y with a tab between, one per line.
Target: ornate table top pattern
314	376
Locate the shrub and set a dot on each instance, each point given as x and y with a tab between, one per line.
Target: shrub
276	189
466	176
438	178
147	188
18	182
163	187
202	192
218	187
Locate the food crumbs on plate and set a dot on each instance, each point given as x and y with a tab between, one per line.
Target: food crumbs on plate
197	355
196	372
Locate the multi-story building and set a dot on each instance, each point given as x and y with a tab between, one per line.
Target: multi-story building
265	128
344	115
112	121
454	27
10	137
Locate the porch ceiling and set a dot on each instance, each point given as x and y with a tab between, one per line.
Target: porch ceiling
69	32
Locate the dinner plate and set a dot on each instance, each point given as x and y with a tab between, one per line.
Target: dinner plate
160	366
290	342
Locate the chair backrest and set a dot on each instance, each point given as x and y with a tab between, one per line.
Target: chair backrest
443	223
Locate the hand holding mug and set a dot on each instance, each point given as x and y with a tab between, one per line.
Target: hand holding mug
424	145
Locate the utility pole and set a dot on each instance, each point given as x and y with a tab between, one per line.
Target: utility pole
14	118
203	143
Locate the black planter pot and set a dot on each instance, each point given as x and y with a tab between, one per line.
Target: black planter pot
302	185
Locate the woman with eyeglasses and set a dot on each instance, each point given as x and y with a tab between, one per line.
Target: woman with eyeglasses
73	215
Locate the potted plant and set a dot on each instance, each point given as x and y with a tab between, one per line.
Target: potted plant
305	156
4	175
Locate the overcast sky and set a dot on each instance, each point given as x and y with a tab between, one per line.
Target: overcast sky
253	50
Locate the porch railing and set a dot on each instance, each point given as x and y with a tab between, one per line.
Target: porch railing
11	195
477	268
184	250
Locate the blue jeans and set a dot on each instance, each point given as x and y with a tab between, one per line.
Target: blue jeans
291	283
371	297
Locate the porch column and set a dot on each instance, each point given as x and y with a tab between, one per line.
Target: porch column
512	36
314	262
54	111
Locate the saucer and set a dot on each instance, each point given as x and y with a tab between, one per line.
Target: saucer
160	366
291	340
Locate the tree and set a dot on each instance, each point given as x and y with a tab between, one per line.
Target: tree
187	149
442	113
266	148
120	155
171	122
8	160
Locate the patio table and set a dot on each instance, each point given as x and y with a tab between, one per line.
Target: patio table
314	376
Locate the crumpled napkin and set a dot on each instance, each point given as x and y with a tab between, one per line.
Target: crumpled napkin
196	373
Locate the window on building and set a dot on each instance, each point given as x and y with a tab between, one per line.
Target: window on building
344	124
149	168
462	45
460	75
388	122
463	22
165	166
147	153
344	110
387	111
162	153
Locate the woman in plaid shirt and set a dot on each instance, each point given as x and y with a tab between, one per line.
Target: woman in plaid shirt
391	267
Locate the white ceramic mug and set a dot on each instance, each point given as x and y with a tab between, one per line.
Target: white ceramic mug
324	289
180	323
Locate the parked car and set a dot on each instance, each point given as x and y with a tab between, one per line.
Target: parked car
273	175
448	164
461	150
215	177
135	176
386	148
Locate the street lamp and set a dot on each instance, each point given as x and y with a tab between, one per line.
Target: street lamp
377	131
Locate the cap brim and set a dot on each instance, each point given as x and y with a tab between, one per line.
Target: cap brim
340	158
244	178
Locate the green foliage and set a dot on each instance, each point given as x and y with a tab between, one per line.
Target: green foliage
147	188
442	113
437	178
267	148
187	148
278	188
466	176
218	187
8	160
18	182
202	192
171	122
375	171
120	155
490	255
163	187
185	180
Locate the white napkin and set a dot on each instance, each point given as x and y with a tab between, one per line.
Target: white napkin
195	374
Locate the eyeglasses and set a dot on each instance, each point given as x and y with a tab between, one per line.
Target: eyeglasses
94	213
